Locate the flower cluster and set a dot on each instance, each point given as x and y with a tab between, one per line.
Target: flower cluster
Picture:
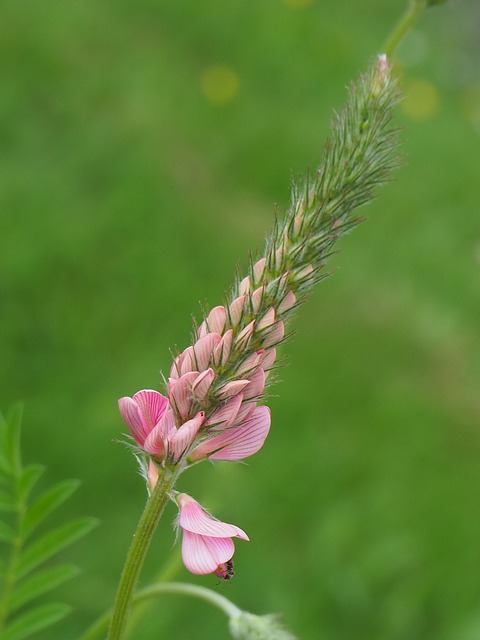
211	408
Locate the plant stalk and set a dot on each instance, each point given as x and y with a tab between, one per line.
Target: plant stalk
137	553
406	22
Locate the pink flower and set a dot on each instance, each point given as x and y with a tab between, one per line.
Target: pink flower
142	413
152	425
236	442
207	545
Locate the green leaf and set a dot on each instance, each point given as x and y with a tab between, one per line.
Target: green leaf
28	479
7	534
51	543
12	444
7	502
46	503
35	620
40	583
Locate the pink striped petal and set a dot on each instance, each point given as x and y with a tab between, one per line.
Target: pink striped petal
244	413
181	393
180	440
232	388
244	286
269	359
237	443
152	406
175	371
258	269
251	363
202	330
256	385
287	303
275	335
195	519
245	335
221	352
226	414
257	297
202	350
155	442
202	385
187	362
202	555
216	320
235	310
267	320
132	417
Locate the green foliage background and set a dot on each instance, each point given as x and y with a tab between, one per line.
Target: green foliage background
128	195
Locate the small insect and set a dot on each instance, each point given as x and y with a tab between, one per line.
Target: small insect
225	570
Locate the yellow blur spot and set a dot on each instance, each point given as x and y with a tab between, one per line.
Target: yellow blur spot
422	100
298	4
219	84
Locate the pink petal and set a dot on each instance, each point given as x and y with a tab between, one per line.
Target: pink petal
237	443
221	352
202	350
245	335
152	406
232	388
155	442
244	413
279	255
244	286
203	555
249	365
187	361
235	310
255	388
152	475
202	385
269	359
259	268
267	320
287	303
179	441
304	273
257	297
132	417
226	414
202	330
216	320
181	393
275	335
195	519
176	370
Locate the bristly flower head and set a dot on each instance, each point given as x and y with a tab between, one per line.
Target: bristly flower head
211	408
247	626
207	545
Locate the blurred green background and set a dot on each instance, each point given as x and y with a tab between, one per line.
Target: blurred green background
144	145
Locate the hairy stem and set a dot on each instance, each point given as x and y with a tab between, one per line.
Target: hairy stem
137	553
144	595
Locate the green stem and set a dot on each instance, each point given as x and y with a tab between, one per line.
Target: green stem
406	22
167	574
217	600
185	589
137	552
